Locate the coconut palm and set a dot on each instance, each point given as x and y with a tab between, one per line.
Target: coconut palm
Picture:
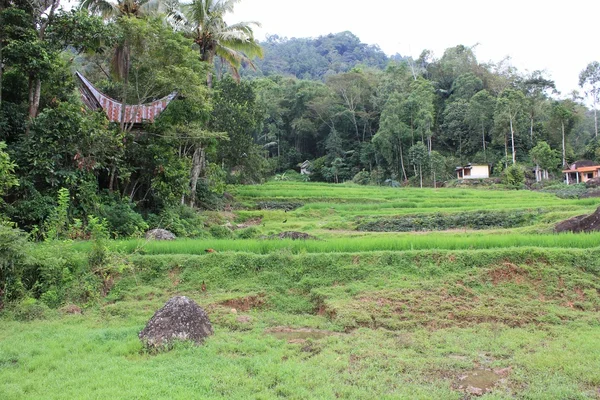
113	9
234	44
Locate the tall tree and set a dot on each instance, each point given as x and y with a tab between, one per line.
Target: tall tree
564	117
234	44
480	115
509	107
545	158
535	87
589	79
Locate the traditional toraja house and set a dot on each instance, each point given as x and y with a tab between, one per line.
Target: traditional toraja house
581	171
470	171
134	114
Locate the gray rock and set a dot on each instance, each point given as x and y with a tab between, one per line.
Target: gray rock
179	319
160	234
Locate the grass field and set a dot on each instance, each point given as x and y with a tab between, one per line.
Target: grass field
500	313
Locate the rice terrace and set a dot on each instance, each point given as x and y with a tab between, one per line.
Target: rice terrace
255	200
359	309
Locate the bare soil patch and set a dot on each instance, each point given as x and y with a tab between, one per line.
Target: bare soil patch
245	303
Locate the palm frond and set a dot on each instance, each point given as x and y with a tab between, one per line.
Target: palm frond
105	8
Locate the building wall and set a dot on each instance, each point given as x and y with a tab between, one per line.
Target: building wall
479	172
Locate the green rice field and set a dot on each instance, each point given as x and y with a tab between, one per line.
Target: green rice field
505	311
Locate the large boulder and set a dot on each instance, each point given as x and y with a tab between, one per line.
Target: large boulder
593	183
160	234
179	319
580	223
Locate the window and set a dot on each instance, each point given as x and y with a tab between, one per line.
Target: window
590	175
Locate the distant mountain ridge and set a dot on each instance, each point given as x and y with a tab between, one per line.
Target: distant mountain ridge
315	58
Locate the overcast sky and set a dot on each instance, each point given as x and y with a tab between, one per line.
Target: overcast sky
537	35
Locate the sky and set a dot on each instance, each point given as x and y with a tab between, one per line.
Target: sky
537	35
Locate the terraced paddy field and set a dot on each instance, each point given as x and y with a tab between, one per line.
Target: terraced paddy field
480	299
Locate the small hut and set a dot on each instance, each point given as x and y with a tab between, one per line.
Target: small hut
471	171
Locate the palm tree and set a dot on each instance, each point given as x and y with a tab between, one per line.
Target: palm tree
111	10
234	44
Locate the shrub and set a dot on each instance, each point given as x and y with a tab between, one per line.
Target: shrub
362	178
220	232
122	220
12	260
439	221
247	233
29	309
514	176
183	221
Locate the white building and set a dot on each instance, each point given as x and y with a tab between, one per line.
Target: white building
470	171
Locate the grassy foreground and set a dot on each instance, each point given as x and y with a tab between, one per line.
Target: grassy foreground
501	314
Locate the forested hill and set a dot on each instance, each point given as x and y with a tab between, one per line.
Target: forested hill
315	58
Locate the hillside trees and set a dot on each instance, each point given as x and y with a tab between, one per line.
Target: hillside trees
509	107
545	158
589	80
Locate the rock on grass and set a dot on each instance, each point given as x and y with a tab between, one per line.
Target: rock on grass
180	319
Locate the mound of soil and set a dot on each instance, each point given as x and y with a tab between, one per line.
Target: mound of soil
160	234
294	236
179	319
581	223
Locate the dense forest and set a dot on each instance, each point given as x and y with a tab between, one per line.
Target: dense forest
246	111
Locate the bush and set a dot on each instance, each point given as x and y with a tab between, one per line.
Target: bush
514	177
183	221
439	221
13	254
122	220
362	178
29	309
247	233
565	191
220	232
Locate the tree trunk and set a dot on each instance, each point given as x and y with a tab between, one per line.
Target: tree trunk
421	176
111	181
505	151
531	129
35	86
512	139
402	163
198	160
124	97
595	120
483	139
564	158
209	74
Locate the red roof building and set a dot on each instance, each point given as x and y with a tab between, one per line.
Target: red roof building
134	114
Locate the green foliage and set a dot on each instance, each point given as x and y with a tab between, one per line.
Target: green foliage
247	233
362	178
439	221
13	256
7	170
220	232
122	219
183	221
514	176
57	225
99	233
